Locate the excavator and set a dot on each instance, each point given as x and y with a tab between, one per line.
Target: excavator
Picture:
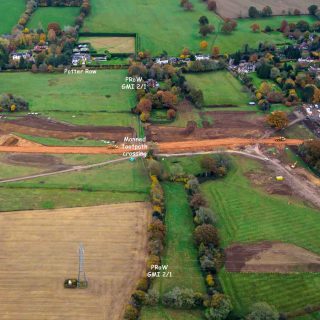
294	165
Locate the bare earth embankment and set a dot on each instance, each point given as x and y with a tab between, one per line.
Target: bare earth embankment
39	250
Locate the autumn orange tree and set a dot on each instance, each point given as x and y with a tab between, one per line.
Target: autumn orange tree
203	45
215	52
278	120
255	27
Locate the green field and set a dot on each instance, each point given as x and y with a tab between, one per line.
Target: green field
43	16
244	35
246	214
33	199
170	28
161	313
119	177
242	211
180	253
161	25
10	169
286	292
79	142
219	88
10	11
62	92
124	119
121	182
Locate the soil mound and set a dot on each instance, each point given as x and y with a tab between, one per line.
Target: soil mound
271	257
11	140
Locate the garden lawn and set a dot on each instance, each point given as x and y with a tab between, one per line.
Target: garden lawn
120	177
10	12
244	35
43	16
246	214
218	88
180	253
161	25
161	313
258	81
62	92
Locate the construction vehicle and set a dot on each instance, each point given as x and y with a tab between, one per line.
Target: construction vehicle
280	139
294	165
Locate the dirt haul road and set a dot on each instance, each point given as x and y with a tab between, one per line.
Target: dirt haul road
195	145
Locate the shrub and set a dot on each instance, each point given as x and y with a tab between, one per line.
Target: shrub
205	216
181	298
152	298
219	307
263	311
206	234
197	201
138	297
131	313
143	284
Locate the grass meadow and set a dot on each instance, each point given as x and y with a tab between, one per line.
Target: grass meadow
10	11
115	183
248	215
166	26
32	199
124	119
219	88
161	313
43	16
119	177
287	292
244	35
71	93
161	25
180	252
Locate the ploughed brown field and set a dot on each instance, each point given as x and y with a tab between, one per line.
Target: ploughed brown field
41	127
274	257
233	8
225	124
39	250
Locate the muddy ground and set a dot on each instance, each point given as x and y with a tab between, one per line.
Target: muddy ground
216	124
265	179
42	127
270	257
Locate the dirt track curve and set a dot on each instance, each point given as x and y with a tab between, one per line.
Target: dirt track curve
184	146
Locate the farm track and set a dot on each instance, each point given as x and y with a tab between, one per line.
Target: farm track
165	147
